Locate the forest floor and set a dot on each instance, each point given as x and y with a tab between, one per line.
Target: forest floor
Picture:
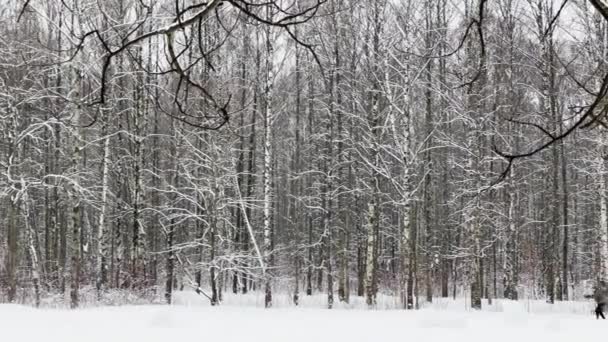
188	321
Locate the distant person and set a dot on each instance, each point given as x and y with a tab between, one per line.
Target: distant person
599	311
600	295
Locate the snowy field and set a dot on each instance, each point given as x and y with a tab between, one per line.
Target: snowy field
191	319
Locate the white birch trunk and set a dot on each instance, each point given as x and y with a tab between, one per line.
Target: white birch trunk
510	243
376	19
268	163
402	131
74	220
101	246
370	266
373	217
603	216
138	262
31	246
601	163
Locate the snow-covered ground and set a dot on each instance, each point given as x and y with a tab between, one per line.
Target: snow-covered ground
385	302
191	319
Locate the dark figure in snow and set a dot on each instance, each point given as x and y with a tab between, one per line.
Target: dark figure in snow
599	311
600	295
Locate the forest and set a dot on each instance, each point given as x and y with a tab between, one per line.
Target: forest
410	148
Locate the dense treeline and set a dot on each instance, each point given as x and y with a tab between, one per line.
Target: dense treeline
343	147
